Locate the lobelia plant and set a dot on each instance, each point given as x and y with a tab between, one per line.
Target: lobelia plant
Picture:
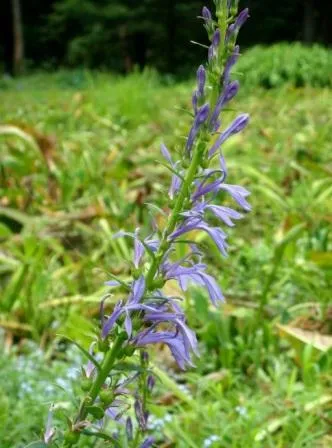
112	385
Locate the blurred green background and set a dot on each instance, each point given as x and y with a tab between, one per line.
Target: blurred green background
99	85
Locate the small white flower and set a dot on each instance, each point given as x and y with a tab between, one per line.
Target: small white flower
62	383
72	373
184	388
209	441
241	410
168	418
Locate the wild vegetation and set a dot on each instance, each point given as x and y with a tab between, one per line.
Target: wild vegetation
121	34
79	153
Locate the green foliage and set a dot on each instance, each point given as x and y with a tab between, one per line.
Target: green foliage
120	35
279	64
28	386
259	382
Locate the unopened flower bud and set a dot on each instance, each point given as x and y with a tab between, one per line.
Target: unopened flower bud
86	384
201	76
206	14
140	414
150	383
216	39
144	356
106	396
71	437
129	428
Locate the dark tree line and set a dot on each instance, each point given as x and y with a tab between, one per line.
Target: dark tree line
121	34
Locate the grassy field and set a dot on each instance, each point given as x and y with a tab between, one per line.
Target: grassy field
78	162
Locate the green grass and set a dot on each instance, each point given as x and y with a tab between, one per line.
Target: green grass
255	384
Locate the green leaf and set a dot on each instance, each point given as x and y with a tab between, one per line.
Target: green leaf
14	287
4	407
83	350
5	232
322	259
16	215
155	208
291	235
78	328
271	428
13	131
170	169
271	195
122	283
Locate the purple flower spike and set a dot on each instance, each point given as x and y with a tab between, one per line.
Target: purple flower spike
203	114
173	340
218	235
110	322
147	443
195	274
137	290
230	31
202	190
206	14
225	214
201	77
213	48
211	53
145	315
216	39
230	63
234	28
229	93
213	289
239	194
115	411
242	18
128	324
201	117
237	126
189	337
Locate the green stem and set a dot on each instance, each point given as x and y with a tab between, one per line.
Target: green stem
182	196
99	381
